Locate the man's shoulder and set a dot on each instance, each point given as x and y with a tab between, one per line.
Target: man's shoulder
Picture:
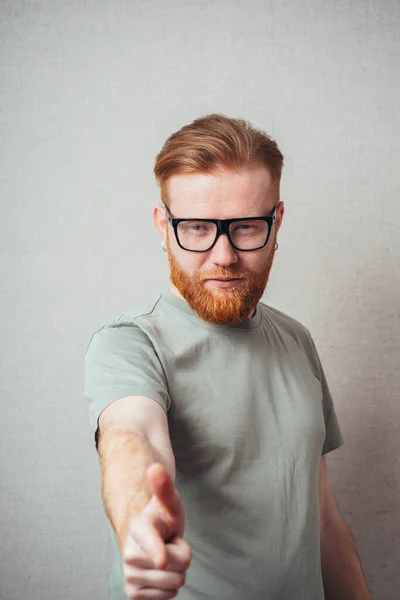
285	322
129	321
124	330
132	316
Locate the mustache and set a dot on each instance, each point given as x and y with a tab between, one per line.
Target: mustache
223	274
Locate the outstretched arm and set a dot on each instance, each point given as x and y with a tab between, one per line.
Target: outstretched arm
133	436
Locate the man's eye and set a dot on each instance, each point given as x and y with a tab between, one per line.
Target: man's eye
198	228
244	228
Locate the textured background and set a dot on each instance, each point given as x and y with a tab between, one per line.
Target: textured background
89	90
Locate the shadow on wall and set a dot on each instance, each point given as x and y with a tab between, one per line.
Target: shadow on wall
365	472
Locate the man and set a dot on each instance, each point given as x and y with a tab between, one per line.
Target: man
211	410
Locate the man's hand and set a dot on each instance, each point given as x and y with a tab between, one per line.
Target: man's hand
155	555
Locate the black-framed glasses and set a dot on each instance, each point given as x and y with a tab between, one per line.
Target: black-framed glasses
200	235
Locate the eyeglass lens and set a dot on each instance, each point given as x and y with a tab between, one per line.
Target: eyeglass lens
200	235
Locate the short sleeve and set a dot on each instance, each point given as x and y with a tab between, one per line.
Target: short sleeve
121	361
333	434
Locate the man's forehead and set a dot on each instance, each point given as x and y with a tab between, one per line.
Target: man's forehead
249	189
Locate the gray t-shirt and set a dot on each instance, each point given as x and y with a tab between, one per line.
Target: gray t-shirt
249	414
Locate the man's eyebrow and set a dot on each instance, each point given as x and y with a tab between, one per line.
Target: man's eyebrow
263	216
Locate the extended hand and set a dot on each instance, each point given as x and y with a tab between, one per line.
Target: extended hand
155	555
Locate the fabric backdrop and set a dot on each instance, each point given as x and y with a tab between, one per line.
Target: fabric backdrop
89	91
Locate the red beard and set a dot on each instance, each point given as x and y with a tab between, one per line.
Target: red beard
224	306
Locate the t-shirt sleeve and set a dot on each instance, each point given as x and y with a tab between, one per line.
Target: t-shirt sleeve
333	435
121	361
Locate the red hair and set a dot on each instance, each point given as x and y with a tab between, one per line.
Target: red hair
215	141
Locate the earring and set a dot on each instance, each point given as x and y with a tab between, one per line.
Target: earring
276	246
164	245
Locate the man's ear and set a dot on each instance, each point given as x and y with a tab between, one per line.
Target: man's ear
160	219
280	211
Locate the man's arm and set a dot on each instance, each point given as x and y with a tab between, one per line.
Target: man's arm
133	434
342	573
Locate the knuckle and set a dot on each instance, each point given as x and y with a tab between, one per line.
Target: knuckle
131	575
187	557
127	554
131	558
132	580
131	591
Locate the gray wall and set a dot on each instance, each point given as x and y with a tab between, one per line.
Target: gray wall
89	91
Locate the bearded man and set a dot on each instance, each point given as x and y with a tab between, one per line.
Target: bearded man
211	411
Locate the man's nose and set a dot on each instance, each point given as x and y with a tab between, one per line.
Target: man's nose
223	253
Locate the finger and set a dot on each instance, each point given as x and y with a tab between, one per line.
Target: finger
163	487
136	557
148	594
179	556
148	538
154	578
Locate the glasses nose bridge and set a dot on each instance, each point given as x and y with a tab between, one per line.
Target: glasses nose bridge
226	251
223	227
